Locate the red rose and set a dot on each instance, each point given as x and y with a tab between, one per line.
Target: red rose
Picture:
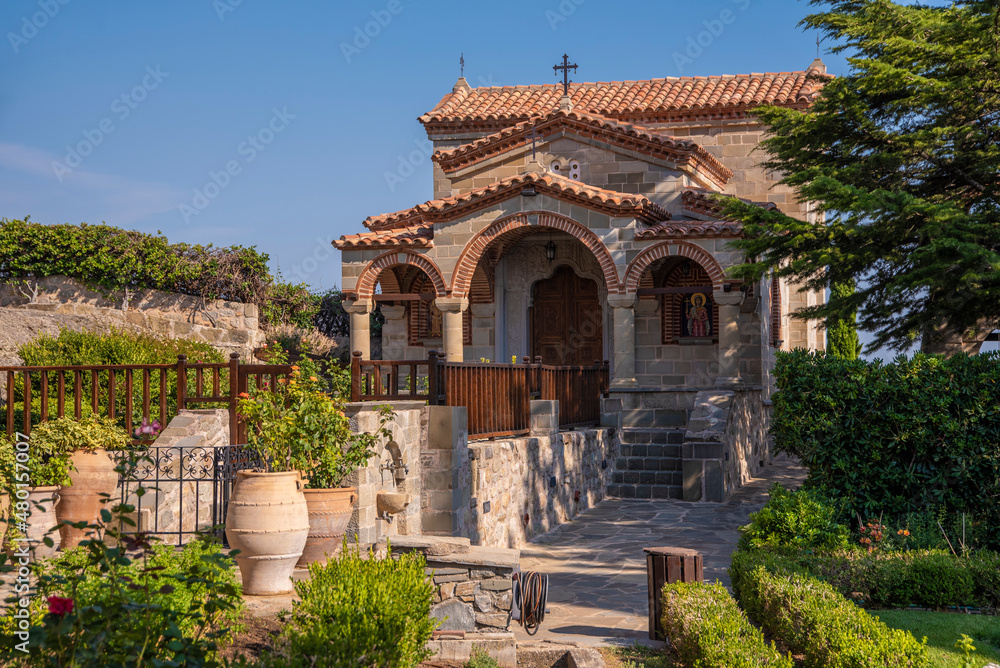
60	606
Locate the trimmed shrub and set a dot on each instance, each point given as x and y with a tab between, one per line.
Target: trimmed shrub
707	630
803	519
884	579
359	610
895	438
816	621
115	259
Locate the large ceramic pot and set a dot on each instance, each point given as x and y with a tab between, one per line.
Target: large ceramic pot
82	501
268	523
329	512
42	503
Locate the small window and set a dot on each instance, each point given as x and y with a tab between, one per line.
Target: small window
556	167
574	170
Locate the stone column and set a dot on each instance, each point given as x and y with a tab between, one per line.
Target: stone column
394	332
729	336
623	340
451	326
361	337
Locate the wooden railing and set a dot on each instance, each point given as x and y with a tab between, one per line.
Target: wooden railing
496	396
128	393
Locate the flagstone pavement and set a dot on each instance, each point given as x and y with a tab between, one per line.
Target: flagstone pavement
597	569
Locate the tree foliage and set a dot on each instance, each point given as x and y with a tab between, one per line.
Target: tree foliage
903	156
842	333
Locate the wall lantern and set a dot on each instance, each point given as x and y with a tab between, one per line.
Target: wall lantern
529	190
686	268
550	251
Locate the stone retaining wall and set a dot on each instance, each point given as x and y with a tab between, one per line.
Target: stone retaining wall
228	326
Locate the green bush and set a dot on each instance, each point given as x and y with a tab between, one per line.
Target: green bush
114	347
925	578
480	658
119	601
895	438
802	519
114	259
816	621
707	630
359	610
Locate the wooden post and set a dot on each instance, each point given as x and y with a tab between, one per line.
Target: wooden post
432	378
666	565
234	391
181	382
356	376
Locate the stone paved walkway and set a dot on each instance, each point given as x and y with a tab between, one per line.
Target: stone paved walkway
597	569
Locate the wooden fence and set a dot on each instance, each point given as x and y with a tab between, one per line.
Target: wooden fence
130	392
496	396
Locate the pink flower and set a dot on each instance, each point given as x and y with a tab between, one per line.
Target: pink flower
59	606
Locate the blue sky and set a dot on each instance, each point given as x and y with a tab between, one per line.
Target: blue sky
283	125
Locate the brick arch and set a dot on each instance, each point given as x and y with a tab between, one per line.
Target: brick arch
475	249
661	250
365	286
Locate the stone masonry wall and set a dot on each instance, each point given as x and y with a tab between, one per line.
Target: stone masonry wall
473	584
366	526
185	450
228	326
513	495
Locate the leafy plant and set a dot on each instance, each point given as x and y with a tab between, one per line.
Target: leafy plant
118	601
116	260
47	462
300	426
897	438
480	658
803	519
706	628
359	610
69	435
816	621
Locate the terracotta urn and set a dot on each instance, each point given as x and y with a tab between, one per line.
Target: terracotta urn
82	501
42	502
329	513
267	521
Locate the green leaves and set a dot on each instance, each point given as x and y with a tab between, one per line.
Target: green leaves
902	154
895	438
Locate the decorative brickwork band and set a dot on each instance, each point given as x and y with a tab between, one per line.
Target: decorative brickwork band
680	249
474	250
365	286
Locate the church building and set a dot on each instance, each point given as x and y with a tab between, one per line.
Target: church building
574	221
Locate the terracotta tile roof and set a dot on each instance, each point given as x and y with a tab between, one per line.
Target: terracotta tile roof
691	229
417	236
700	201
606	201
683	153
654	99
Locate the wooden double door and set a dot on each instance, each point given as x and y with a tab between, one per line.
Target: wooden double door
567	319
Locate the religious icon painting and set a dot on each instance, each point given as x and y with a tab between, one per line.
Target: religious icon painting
696	316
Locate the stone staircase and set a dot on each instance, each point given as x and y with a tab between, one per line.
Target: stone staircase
649	464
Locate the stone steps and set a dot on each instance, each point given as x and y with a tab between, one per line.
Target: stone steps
649	464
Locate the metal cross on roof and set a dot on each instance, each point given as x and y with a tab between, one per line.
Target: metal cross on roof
533	135
565	67
461	61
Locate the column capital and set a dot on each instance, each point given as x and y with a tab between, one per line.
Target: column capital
393	312
621	301
451	304
734	298
358	306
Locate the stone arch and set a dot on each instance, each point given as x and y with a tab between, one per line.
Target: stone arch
474	250
365	286
681	249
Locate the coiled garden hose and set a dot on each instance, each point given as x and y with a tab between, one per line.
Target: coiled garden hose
531	591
